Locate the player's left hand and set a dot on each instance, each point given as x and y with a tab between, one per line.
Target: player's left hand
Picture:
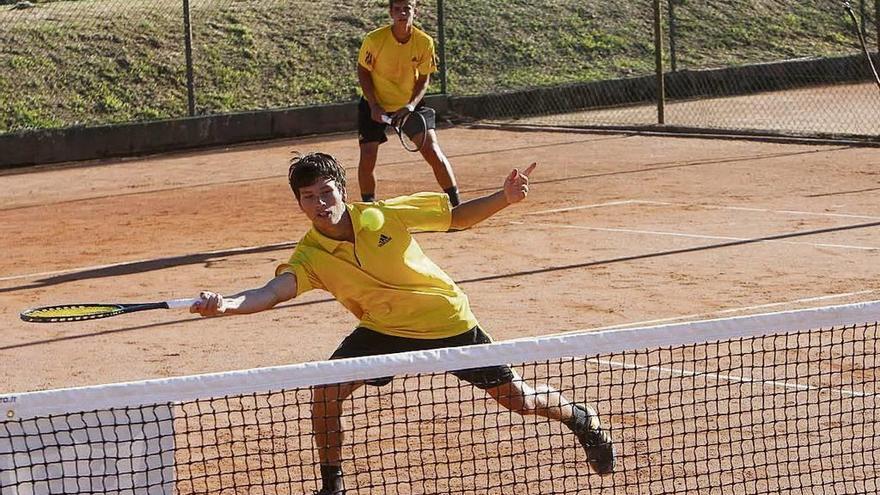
516	185
398	116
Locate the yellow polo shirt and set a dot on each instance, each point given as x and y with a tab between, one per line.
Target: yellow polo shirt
394	67
384	278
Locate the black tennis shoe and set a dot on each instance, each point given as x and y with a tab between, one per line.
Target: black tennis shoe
327	491
596	441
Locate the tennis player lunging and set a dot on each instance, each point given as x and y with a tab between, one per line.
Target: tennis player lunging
395	64
403	300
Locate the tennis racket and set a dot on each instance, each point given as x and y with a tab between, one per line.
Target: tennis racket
80	312
412	124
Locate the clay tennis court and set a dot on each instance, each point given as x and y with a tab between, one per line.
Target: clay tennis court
585	250
617	230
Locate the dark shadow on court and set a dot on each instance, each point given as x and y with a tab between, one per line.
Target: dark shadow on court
146	266
707	247
841	193
575	266
192	319
281	177
505	150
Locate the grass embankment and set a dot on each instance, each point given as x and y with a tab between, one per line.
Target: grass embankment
91	62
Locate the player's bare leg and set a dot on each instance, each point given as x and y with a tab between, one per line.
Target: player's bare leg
328	430
440	165
546	402
367	170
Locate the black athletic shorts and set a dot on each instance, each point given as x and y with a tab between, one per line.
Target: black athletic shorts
366	342
370	131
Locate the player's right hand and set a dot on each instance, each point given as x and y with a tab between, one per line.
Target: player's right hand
209	304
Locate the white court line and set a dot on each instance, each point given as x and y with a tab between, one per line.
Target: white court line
721	312
69	270
709	207
696	236
759	210
730	378
582	207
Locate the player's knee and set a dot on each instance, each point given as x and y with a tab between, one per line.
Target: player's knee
542	396
432	146
525	402
509	396
435	157
518	404
369	153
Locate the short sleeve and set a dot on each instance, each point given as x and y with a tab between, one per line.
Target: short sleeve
367	54
428	60
305	279
421	212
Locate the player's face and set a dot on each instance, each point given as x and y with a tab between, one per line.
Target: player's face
323	202
403	12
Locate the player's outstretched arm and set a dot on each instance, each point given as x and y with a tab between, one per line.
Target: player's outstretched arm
470	213
279	289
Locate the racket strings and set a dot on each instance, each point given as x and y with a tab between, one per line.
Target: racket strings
72	311
413	131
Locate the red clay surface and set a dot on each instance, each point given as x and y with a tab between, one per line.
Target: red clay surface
618	229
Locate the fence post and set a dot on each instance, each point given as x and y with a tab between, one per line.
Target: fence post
441	44
658	63
187	35
672	61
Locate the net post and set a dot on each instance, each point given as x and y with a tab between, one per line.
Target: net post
658	63
187	37
441	45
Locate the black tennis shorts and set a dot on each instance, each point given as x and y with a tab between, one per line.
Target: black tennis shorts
366	342
370	131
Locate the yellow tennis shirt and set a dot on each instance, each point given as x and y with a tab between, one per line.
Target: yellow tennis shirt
394	67
384	278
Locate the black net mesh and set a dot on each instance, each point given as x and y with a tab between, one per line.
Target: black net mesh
790	413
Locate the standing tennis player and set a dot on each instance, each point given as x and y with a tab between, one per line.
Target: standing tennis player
403	300
395	64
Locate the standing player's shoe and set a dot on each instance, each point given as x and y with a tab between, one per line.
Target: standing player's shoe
595	440
327	491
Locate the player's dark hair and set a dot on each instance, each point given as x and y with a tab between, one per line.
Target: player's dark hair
392	2
307	169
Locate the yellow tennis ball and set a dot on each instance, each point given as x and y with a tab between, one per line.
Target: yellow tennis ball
372	219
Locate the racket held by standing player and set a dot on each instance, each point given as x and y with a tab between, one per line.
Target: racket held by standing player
411	129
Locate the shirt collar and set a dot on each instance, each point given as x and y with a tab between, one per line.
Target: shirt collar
331	245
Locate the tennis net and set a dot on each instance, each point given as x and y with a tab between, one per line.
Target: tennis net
776	403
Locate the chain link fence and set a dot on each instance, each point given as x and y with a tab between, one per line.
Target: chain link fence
816	81
776	67
524	63
780	66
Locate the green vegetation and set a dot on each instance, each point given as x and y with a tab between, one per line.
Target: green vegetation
87	62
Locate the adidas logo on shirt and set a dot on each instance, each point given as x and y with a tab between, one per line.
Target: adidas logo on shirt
383	239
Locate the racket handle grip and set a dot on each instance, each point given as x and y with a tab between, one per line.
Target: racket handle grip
181	303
